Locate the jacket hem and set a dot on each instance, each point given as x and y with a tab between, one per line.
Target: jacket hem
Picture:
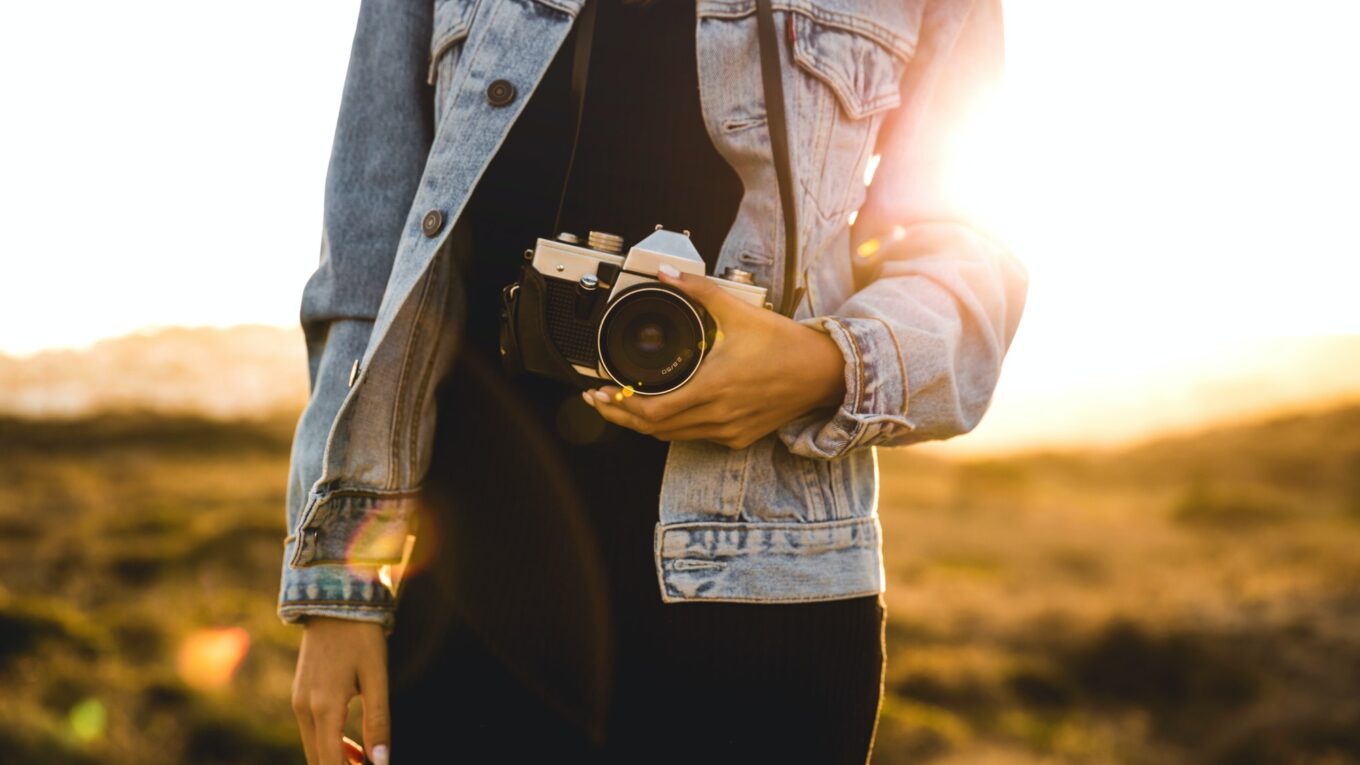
745	562
298	613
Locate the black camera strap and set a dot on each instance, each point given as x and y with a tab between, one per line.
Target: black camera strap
775	120
580	70
777	125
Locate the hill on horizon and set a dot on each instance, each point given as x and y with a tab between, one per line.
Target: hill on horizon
249	372
238	372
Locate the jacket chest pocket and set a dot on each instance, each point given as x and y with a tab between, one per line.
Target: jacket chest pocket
850	57
452	18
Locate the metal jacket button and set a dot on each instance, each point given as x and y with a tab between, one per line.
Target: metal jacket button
432	223
500	93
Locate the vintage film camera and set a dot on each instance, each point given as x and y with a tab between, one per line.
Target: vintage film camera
582	313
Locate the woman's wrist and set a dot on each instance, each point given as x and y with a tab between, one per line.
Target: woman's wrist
825	366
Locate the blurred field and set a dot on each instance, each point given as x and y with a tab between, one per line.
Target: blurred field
1189	601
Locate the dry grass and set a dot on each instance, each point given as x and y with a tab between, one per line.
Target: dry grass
1190	601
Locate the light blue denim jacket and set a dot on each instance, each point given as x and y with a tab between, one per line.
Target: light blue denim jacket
923	322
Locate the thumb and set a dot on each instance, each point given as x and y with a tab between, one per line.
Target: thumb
377	720
701	288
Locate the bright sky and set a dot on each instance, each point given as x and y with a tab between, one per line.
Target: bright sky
1178	176
161	162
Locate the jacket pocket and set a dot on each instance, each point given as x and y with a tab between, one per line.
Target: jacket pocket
452	19
859	56
782	487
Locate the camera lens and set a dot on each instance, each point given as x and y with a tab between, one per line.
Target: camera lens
647	336
651	338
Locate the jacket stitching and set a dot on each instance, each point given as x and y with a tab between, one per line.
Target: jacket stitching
900	46
424	387
856	106
455	82
901	363
674	595
836	475
812	485
367	605
571	11
407	358
442	48
859	365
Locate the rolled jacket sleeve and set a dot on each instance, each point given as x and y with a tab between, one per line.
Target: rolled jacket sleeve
333	587
924	339
382	136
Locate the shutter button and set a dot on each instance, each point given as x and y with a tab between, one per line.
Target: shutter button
500	93
432	223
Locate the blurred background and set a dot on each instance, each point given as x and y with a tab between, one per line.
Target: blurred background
1148	553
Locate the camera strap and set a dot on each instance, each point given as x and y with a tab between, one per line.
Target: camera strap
580	70
776	123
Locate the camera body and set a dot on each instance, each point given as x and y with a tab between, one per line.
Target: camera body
584	312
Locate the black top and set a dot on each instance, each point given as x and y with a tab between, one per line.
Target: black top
643	158
507	617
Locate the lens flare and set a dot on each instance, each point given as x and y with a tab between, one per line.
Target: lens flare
209	658
379	536
88	720
413	560
391	574
870	168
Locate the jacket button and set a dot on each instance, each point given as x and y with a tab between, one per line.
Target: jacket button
500	93
432	223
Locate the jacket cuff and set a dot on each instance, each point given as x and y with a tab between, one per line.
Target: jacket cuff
341	562
875	405
357	593
354	528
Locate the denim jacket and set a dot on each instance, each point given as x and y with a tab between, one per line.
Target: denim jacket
922	306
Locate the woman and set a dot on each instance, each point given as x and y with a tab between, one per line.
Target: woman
546	612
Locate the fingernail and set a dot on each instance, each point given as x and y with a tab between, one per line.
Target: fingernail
602	397
585	395
378	755
666	269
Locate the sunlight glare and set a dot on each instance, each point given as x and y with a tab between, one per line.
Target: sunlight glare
209	658
1169	188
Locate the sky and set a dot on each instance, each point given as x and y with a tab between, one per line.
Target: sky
1182	179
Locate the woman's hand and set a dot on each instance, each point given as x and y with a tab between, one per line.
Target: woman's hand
339	660
764	370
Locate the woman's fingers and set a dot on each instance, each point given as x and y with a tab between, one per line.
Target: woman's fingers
328	716
377	721
706	422
722	434
619	416
650	408
647	413
714	298
657	408
700	422
302	710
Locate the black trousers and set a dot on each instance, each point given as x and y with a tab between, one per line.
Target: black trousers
532	627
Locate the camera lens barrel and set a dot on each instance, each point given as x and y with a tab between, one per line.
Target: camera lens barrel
652	339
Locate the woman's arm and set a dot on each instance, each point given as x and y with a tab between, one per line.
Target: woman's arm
764	371
383	134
